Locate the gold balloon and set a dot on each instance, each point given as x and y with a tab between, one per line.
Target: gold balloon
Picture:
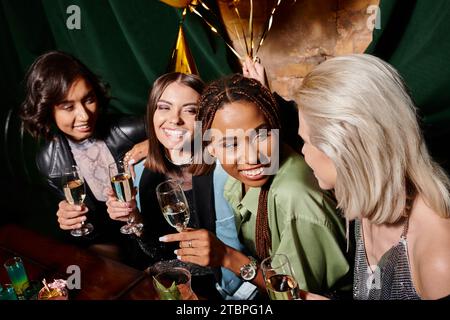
177	3
182	59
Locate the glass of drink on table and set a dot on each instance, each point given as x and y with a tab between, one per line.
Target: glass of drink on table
174	284
7	293
16	272
56	290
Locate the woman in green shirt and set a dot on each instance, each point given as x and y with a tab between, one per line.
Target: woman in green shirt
278	206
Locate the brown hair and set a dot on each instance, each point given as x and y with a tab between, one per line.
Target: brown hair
232	89
47	82
156	159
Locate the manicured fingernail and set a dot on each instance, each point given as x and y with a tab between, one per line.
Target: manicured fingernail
178	257
176	252
163	239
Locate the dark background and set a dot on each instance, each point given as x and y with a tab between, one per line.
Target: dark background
129	42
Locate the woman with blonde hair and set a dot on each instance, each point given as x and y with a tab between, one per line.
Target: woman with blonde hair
362	139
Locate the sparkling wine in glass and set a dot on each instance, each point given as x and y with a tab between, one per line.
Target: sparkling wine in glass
122	184
279	278
173	203
75	192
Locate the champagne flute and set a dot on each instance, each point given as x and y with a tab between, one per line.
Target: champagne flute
175	209
122	184
173	203
279	278
75	192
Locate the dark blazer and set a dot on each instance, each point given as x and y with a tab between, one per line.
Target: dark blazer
155	224
120	134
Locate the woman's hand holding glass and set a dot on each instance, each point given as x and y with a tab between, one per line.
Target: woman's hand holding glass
119	210
279	278
71	216
205	249
124	191
200	247
75	191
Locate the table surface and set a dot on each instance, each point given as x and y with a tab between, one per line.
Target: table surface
101	278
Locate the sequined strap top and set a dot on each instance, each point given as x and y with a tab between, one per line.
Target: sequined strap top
391	279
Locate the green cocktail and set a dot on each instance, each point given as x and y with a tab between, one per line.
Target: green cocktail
17	275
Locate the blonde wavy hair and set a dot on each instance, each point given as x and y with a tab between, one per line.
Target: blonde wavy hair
361	116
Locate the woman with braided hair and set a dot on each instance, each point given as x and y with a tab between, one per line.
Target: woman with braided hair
277	203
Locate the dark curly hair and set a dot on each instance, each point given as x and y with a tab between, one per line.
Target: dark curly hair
232	89
47	83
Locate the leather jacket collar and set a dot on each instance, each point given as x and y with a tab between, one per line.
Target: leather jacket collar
120	135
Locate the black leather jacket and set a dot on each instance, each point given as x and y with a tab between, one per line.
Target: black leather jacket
120	135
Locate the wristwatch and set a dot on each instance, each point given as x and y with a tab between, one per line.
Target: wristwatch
249	270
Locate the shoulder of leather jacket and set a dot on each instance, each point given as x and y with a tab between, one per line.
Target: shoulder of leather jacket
53	152
56	152
134	127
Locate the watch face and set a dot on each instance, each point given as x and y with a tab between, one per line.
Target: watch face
248	272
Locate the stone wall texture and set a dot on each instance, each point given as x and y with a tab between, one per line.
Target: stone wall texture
304	33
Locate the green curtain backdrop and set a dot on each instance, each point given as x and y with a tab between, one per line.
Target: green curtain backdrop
415	38
128	43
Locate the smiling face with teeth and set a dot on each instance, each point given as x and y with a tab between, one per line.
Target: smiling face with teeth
77	114
174	117
243	157
323	167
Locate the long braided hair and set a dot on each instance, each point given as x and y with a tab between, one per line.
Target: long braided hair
228	90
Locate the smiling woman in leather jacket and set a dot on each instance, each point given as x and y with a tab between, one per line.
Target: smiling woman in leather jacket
65	104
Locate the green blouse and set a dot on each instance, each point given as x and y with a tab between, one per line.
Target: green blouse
304	225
